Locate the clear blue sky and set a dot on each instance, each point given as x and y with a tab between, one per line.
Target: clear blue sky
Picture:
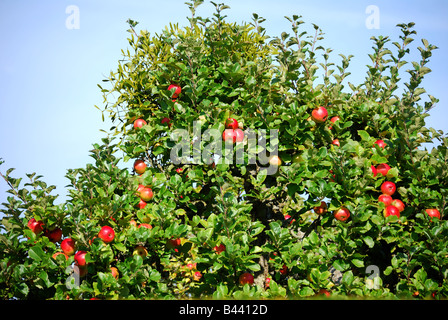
49	73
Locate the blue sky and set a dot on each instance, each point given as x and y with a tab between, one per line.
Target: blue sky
49	73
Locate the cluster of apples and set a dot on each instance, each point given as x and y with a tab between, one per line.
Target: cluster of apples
54	235
232	132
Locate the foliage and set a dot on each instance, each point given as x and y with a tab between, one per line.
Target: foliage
266	222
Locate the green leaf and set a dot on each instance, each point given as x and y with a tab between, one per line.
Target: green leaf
347	278
369	241
36	253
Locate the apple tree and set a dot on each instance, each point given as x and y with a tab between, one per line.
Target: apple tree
244	166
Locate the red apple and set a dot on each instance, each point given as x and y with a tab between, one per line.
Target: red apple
179	170
433	213
197	276
229	135
141	204
336	142
246	278
239	135
219	248
324	292
167	121
139	123
231	124
391	211
107	234
80	258
177	91
388	188
374	171
320	210
114	272
319	114
342	214
334	119
145	225
58	253
398	204
380	143
68	246
139	166
174	242
284	270
54	235
383	168
36	226
146	194
386	199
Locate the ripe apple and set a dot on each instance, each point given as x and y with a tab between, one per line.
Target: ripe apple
229	135
374	171
139	166
398	204
391	211
383	168
320	210
114	272
246	278
179	170
80	258
145	225
433	213
336	142
58	253
141	251
54	235
68	246
36	226
139	123
386	199
334	119
324	292
239	135
275	161
319	114
191	266
141	204
388	188
167	121
219	248
107	234
146	194
231	123
284	270
174	242
197	276
342	214
177	91
380	143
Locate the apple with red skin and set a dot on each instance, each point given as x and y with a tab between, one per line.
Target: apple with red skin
174	242
145	225
231	123
398	204
139	166
374	171
324	292
36	226
54	235
275	161
107	234
433	213
177	90
383	168
342	214
58	253
146	194
179	170
321	209
391	211
319	114
167	121
114	272
142	204
219	248
68	246
380	143
386	199
388	188
336	142
80	258
229	135
197	276
334	119
139	123
239	135
246	278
